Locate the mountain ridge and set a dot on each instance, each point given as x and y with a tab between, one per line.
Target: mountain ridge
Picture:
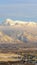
9	22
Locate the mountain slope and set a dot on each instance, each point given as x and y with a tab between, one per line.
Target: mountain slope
5	38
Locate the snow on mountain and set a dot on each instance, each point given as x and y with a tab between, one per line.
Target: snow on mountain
32	24
26	23
10	22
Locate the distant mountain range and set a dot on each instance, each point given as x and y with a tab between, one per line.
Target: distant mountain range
12	22
18	32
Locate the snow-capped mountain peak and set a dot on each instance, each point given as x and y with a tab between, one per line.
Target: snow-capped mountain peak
8	22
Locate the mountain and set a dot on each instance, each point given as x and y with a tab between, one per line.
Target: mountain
19	32
25	23
8	22
32	24
7	39
29	37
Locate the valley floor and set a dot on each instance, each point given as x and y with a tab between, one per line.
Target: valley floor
24	57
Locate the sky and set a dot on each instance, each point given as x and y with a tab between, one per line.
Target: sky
18	10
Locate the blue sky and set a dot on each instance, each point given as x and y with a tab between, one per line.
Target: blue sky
18	9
